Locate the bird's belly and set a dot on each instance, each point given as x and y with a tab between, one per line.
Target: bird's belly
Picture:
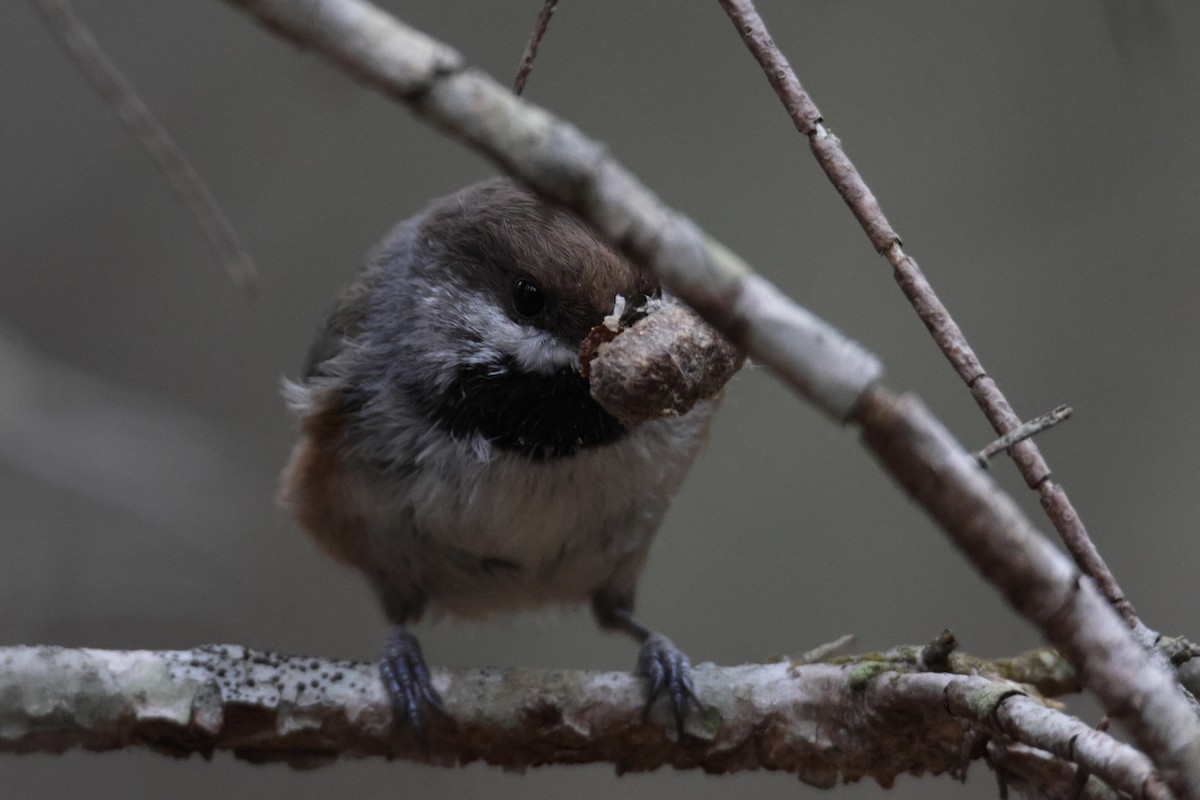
513	533
530	537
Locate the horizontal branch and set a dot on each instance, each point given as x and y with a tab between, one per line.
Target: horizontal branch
823	722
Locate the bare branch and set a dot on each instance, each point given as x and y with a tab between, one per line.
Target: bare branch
824	722
834	373
945	331
78	43
535	38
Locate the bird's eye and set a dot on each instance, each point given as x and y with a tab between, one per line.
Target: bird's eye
527	298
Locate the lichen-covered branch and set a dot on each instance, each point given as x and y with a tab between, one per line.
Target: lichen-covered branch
867	717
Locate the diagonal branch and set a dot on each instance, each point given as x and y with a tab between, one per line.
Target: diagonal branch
308	712
822	365
77	41
945	331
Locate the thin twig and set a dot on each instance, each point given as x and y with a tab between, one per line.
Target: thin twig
77	41
535	39
1024	431
949	337
823	652
308	712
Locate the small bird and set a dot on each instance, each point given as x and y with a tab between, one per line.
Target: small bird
451	450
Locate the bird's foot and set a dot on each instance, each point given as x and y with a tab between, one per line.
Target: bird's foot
668	672
407	681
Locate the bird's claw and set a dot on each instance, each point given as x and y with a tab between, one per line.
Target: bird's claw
406	679
668	672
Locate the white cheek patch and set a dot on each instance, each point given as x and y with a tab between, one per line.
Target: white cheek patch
538	351
533	349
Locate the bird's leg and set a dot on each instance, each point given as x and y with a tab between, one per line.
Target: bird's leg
664	666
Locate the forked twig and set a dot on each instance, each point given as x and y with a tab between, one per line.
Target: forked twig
75	38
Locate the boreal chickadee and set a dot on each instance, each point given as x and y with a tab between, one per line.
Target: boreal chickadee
451	450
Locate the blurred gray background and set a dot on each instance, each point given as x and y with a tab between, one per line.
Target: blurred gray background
1040	160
